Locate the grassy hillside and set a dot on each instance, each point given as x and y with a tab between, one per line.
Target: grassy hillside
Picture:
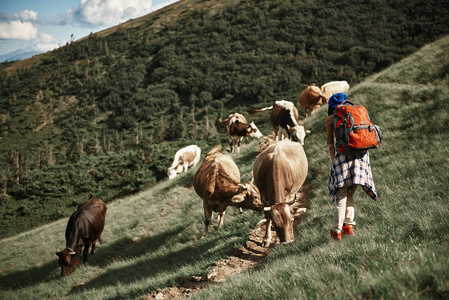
105	115
152	239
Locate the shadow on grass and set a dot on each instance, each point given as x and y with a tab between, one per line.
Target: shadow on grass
103	257
36	275
151	267
126	247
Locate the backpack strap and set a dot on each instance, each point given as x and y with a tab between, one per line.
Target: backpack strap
347	101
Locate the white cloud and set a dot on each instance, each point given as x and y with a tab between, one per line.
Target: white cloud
45	42
26	15
112	12
18	30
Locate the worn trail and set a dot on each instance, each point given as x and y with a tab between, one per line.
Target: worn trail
240	260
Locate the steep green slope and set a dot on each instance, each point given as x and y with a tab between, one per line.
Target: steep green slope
152	240
105	115
399	250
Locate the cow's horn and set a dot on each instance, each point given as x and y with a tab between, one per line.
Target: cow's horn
268	208
242	187
58	250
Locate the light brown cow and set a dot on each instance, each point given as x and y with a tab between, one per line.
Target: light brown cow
279	172
311	99
237	127
217	182
284	118
184	158
333	87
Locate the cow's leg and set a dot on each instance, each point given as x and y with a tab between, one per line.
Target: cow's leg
207	217
86	251
239	142
314	109
278	134
231	144
267	239
94	246
221	218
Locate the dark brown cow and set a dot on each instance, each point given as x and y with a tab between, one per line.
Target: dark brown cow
237	128
311	99
279	172
83	229
217	182
284	119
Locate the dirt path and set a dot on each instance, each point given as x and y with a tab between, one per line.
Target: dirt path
240	260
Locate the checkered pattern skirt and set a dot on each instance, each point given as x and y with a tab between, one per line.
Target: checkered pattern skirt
347	171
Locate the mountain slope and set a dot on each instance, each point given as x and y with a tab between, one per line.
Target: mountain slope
106	114
17	55
152	240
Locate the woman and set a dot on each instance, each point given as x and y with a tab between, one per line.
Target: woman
347	172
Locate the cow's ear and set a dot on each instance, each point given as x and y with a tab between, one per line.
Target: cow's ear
239	198
308	131
297	210
58	253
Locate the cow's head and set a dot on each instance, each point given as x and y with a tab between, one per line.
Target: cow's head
248	197
174	171
253	131
282	217
298	133
67	261
282	221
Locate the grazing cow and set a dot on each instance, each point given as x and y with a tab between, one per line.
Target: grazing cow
237	127
279	173
217	182
333	87
311	98
83	229
284	119
184	158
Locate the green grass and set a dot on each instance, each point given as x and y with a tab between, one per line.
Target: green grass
400	250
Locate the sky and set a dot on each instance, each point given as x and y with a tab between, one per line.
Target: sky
43	25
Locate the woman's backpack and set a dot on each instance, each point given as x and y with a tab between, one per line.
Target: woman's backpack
354	129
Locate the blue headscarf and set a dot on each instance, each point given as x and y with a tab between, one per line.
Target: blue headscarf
337	99
334	101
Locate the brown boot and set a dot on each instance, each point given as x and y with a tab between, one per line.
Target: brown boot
336	236
348	229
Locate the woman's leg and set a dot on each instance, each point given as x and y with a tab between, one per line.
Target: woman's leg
340	209
349	218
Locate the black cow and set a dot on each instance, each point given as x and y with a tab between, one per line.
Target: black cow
83	229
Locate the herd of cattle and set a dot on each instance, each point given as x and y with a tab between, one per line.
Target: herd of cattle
279	171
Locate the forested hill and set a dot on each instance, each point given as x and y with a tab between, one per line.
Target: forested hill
104	115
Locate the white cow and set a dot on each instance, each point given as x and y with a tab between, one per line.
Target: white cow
333	87
184	158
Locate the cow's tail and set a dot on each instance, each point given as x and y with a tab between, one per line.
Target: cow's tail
210	188
254	110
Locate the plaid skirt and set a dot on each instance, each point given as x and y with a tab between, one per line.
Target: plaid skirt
347	171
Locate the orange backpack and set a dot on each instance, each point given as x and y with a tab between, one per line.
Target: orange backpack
354	129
